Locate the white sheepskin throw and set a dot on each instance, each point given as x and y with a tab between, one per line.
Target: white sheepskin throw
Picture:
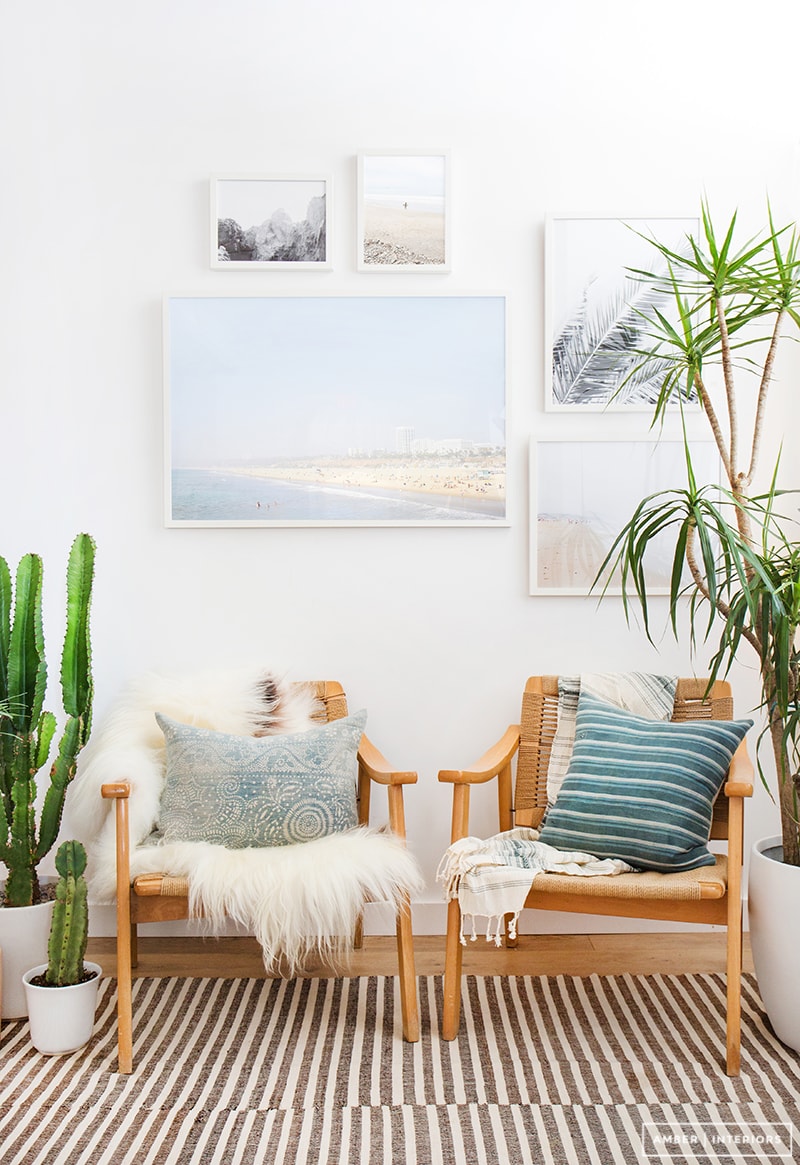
299	900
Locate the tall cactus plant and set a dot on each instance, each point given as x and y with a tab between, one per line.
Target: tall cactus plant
69	929
26	730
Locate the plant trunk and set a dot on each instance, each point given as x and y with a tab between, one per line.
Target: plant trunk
787	798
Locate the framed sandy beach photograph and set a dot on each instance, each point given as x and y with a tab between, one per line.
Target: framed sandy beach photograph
582	494
595	311
339	410
260	223
404	211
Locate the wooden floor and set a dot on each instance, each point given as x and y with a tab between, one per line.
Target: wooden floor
233	958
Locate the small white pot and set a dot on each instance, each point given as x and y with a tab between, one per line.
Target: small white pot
773	906
24	931
62	1018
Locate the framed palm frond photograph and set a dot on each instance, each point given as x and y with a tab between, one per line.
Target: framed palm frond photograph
597	311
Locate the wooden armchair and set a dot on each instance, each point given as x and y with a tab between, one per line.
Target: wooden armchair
160	897
705	895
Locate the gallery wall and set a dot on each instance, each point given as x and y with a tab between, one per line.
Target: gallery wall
115	118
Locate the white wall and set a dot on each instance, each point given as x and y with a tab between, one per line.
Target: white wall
115	115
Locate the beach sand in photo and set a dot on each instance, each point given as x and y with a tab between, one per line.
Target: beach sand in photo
570	553
458	481
402	230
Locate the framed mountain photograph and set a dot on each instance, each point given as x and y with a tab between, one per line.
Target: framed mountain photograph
259	223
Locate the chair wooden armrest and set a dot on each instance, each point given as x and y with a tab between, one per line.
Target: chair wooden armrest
490	764
378	768
740	774
494	763
373	766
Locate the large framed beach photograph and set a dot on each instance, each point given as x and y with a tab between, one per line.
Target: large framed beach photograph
404	211
595	311
582	494
338	410
260	223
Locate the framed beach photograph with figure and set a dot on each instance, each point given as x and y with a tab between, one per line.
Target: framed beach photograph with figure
596	310
403	211
261	223
584	491
339	410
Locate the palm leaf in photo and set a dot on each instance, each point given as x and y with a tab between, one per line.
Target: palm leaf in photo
595	352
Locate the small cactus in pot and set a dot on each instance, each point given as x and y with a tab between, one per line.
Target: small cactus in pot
62	1021
69	929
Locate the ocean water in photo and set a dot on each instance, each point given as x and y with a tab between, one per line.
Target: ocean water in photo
206	495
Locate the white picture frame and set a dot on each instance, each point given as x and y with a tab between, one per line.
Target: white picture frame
270	222
584	489
403	211
593	323
335	410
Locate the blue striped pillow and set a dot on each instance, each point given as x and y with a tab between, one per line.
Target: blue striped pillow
642	790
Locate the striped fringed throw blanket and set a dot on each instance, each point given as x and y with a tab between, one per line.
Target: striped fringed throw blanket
637	692
492	878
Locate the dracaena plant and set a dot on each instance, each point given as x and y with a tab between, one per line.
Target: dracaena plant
736	555
27	731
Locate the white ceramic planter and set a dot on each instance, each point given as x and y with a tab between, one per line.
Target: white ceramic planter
62	1018
24	931
773	906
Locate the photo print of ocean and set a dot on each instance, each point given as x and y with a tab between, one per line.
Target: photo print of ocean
340	410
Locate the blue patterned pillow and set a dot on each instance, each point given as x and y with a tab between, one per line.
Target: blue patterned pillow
642	790
241	791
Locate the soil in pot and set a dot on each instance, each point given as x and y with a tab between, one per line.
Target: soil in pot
41	980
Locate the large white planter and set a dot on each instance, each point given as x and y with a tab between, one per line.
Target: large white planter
773	906
24	931
62	1018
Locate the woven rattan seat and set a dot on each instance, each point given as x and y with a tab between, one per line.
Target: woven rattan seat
687	886
519	763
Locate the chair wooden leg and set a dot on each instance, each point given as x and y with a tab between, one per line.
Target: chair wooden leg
134	945
451	1007
125	933
409	1003
124	1010
734	912
734	995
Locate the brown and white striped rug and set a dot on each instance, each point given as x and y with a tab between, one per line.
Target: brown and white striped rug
552	1071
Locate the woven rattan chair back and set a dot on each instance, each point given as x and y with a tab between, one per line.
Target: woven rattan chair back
539	720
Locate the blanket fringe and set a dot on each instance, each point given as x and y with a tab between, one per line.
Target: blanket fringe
491	878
